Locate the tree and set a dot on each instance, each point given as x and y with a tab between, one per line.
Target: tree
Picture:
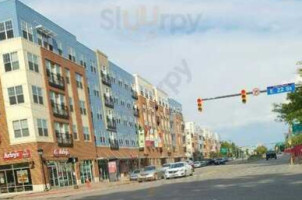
260	150
290	112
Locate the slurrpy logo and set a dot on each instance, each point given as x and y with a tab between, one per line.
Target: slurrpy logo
145	23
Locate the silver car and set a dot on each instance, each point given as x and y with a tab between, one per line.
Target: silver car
150	173
134	175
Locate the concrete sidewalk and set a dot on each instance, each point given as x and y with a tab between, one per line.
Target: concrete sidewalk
67	191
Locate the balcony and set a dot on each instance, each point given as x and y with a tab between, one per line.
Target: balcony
111	124
134	94
64	139
113	144
109	102
136	112
106	79
55	80
60	110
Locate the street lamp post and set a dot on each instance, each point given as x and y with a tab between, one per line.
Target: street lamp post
40	152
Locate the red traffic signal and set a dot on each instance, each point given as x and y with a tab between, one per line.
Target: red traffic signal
199	104
243	96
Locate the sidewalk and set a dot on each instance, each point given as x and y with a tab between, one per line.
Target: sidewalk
67	191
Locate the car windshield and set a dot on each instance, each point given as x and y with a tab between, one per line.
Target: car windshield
150	168
166	165
177	165
196	162
136	171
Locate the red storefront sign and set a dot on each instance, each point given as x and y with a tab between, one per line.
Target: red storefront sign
112	167
17	155
61	153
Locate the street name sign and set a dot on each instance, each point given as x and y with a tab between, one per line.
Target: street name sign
285	88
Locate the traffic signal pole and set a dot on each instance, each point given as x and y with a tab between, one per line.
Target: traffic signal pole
231	95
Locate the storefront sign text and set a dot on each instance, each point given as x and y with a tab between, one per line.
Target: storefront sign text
61	152
17	155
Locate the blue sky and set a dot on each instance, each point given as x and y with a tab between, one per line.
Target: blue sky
233	45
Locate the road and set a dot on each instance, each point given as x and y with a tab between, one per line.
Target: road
261	180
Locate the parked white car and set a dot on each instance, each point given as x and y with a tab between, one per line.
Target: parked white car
179	169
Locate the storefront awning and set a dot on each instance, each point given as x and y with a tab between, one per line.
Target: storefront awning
107	154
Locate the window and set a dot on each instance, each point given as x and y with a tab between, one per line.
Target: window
70	104
20	128
6	30
37	95
42	127
45	41
60	48
71	54
10	61
79	81
33	62
75	131
15	95
27	31
86	134
83	108
67	76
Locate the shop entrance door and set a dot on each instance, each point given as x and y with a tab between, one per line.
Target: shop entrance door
60	174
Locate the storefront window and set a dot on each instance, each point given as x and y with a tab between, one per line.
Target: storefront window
86	171
15	178
60	174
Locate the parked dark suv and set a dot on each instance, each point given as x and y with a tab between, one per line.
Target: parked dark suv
271	154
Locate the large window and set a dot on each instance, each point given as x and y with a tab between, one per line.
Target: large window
71	54
15	95
75	131
33	63
10	61
42	127
70	104
6	30
83	108
37	95
27	30
86	134
79	80
20	128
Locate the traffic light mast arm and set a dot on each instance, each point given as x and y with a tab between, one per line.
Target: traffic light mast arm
231	95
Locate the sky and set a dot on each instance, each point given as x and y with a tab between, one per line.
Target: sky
198	48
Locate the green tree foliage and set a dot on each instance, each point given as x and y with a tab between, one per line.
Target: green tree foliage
294	141
260	150
290	112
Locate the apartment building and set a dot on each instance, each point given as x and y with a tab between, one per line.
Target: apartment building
44	103
68	112
177	127
194	141
211	142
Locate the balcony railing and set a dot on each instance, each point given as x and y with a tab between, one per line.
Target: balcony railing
60	110
111	124
136	112
109	102
114	144
134	94
106	79
64	139
55	80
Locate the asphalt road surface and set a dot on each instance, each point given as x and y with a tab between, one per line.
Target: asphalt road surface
261	180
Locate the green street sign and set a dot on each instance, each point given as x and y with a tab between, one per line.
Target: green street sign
297	129
223	150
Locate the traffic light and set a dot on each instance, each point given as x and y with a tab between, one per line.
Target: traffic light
199	104
243	96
